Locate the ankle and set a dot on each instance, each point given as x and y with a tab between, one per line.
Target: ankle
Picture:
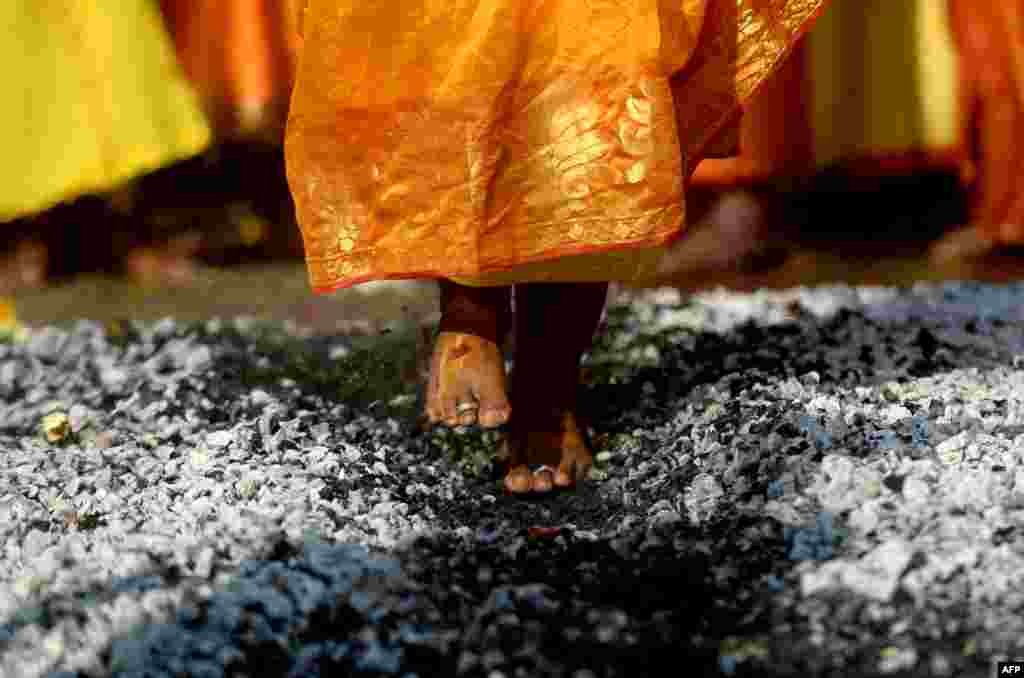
543	406
491	329
483	312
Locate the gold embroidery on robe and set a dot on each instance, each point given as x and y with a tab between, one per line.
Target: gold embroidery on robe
500	141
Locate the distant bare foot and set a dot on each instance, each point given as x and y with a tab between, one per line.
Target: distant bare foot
172	264
25	268
734	234
962	244
158	268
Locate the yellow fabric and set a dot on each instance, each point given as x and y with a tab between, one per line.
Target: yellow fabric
93	97
476	139
885	78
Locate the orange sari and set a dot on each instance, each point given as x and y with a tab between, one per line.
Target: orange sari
498	141
240	56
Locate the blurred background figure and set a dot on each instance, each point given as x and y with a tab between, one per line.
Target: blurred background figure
874	81
95	98
151	134
989	35
240	56
896	120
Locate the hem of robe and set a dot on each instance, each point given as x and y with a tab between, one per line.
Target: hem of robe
474	280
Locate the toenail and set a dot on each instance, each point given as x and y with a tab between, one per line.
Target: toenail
518	482
543	479
466	407
458	352
494	416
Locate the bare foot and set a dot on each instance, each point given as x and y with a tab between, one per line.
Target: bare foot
733	234
25	268
555	323
520	480
467	382
561	454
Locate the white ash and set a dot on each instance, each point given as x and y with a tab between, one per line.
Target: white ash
844	466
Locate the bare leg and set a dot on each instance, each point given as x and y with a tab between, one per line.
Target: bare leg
467	369
555	324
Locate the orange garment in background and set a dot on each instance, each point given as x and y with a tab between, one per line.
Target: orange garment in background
778	131
989	35
441	138
240	56
854	86
775	136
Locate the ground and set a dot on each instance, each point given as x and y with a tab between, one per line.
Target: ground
817	482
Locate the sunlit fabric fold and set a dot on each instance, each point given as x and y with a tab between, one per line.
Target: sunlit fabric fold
504	141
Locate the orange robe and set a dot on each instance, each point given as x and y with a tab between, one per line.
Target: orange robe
240	56
498	141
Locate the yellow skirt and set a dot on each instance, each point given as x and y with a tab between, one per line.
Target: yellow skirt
884	80
500	141
93	98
